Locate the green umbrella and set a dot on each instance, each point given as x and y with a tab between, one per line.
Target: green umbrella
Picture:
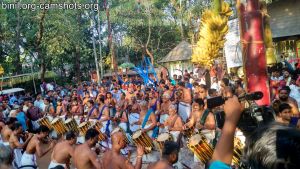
126	65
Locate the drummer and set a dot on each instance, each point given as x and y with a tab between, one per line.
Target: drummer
92	112
121	118
147	119
76	108
63	151
164	111
103	116
16	144
113	159
7	131
169	156
110	103
173	124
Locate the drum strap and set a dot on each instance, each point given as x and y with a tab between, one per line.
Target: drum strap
101	112
204	116
91	111
146	118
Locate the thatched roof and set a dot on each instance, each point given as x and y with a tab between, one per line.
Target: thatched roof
183	51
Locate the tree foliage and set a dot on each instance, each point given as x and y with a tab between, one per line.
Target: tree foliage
61	40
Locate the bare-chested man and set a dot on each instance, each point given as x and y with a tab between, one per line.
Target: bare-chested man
6	131
84	157
197	112
164	110
184	107
113	160
92	112
169	156
174	123
104	116
15	145
147	124
34	148
63	152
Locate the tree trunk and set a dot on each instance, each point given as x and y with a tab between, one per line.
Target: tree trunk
77	63
255	63
17	61
38	47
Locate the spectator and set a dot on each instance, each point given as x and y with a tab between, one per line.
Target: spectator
6	157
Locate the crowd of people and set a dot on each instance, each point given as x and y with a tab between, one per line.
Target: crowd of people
177	106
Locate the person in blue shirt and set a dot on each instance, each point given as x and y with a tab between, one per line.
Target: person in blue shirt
21	118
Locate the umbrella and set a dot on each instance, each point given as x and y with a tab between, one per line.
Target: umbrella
127	65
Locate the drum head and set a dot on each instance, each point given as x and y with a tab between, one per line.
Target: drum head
195	139
68	120
163	137
82	124
137	134
55	120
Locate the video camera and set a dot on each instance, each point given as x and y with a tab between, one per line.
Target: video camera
251	118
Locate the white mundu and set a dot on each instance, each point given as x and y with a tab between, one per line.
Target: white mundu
133	117
28	161
184	111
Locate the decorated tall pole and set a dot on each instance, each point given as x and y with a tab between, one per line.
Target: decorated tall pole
255	59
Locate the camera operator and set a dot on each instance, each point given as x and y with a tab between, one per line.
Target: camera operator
269	147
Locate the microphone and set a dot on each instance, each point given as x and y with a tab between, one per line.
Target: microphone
218	101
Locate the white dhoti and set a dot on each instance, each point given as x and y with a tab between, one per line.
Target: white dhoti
55	164
104	125
133	117
184	110
28	161
175	135
35	125
17	158
123	126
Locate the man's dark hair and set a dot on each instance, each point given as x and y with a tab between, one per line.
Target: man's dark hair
162	81
43	129
182	84
16	126
170	147
203	86
199	101
211	91
91	133
70	135
101	99
10	121
47	98
273	146
287	88
91	102
284	106
225	81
